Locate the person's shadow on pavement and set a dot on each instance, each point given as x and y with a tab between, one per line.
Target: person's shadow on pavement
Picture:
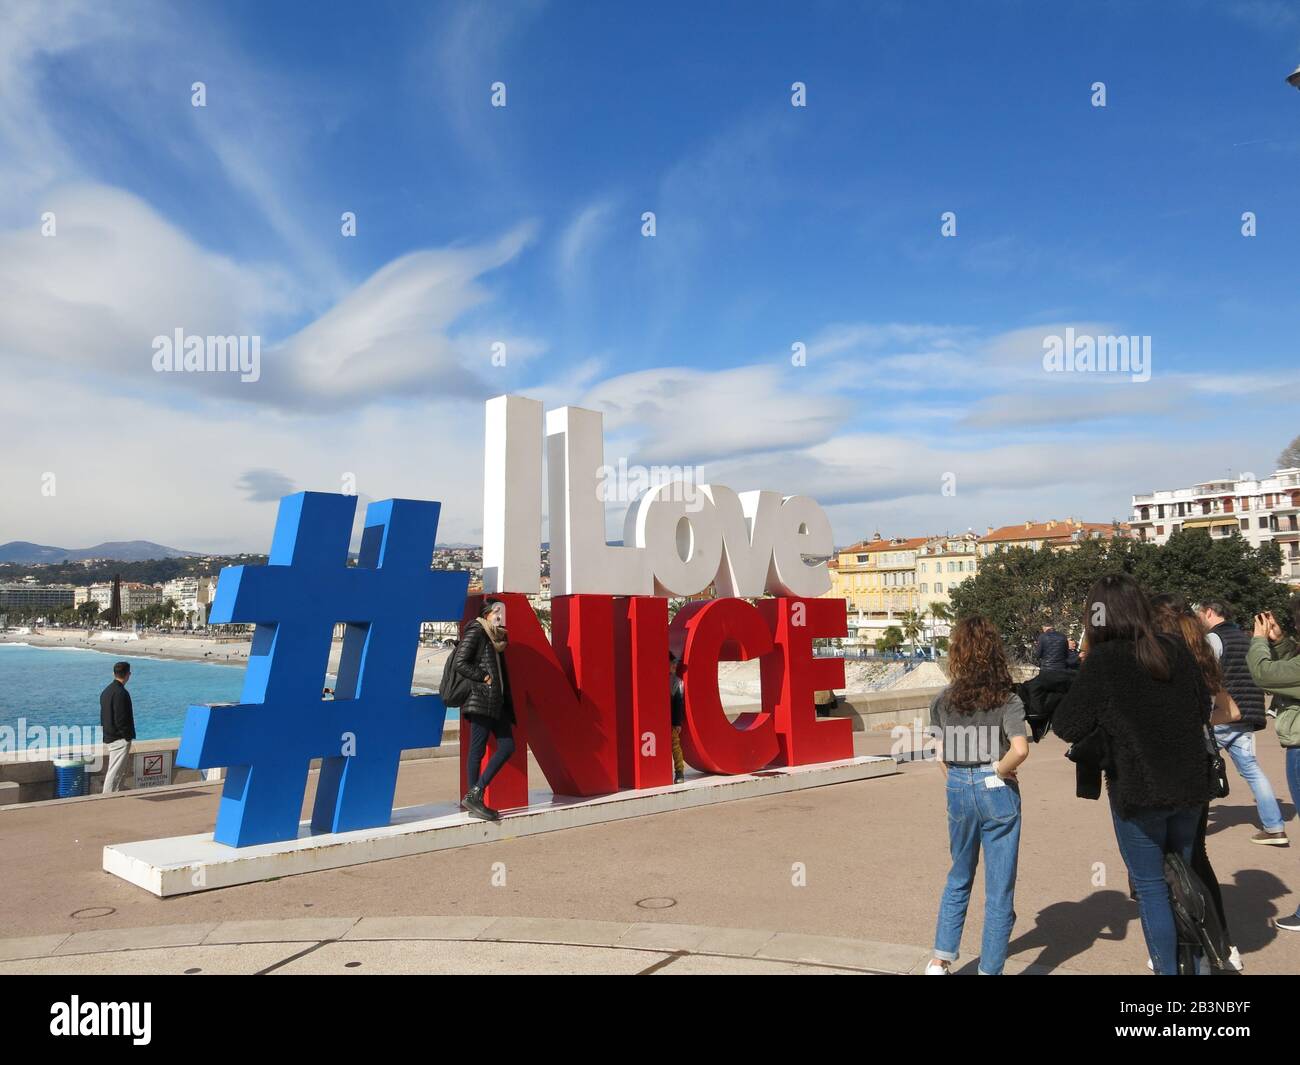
1065	930
1249	905
1224	816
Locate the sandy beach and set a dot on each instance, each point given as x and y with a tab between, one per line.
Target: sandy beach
428	662
738	682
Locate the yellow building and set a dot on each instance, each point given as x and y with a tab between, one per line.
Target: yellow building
877	576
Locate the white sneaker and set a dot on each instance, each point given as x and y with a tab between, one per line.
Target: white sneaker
936	969
1234	959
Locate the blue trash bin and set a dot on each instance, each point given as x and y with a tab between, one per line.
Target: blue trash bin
69	777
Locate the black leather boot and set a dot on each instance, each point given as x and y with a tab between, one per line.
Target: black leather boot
473	803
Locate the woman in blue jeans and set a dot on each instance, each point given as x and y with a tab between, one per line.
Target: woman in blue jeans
1274	662
980	726
1146	695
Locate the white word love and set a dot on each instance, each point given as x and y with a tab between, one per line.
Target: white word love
674	542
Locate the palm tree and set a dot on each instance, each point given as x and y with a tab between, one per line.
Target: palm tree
939	611
913	625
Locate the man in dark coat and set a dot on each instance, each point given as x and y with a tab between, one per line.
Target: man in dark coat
1230	645
1052	649
117	720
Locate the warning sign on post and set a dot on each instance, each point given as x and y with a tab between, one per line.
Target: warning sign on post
153	769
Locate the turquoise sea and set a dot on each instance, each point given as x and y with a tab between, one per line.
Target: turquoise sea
61	685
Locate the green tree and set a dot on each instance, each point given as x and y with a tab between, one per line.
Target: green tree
1021	590
890	640
1290	456
939	611
913	625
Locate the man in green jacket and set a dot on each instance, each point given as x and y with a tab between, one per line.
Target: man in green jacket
1274	663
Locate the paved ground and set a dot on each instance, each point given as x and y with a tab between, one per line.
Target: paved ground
480	944
853	862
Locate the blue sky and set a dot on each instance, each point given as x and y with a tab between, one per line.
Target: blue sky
522	225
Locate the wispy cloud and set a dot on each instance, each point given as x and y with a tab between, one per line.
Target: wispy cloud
264	486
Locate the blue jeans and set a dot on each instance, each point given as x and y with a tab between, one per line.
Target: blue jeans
1239	742
1143	841
1293	775
980	816
1293	782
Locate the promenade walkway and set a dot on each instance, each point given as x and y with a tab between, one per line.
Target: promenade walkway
841	878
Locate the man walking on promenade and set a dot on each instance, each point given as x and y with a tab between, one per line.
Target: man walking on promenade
1230	644
118	722
1052	649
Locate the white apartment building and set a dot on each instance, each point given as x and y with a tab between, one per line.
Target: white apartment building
184	592
1261	510
134	595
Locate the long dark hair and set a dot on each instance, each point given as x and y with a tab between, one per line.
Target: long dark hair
1171	614
1119	610
981	678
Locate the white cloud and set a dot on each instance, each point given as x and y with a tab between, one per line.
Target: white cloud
114	276
117	275
134	469
575	249
676	414
392	335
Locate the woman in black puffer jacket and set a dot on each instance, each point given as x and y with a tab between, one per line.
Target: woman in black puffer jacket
480	659
1147	696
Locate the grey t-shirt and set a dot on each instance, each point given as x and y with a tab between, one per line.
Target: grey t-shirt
982	735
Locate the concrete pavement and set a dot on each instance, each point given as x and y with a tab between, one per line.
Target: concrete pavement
478	944
856	862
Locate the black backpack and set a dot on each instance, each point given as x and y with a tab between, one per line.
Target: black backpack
454	689
1041	695
1196	917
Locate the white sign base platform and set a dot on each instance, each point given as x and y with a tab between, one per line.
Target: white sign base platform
183	865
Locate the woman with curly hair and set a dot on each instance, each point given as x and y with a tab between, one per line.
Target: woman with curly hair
979	722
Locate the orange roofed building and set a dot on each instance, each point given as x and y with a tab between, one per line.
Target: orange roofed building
1063	534
877	576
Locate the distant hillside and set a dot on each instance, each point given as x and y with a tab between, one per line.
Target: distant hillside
22	553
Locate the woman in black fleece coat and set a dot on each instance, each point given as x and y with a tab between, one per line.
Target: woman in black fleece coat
480	658
1146	694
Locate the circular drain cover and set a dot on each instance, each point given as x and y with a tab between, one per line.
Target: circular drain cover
91	912
661	903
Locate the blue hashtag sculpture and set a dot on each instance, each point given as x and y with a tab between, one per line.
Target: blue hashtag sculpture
267	741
